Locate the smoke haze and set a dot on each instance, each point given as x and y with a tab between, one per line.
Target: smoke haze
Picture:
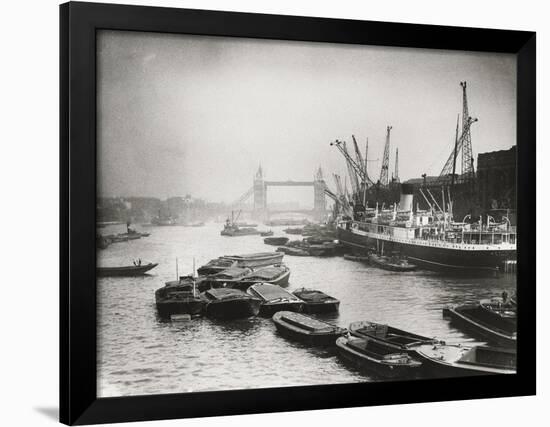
181	114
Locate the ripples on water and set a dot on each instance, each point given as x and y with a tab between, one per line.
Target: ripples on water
139	354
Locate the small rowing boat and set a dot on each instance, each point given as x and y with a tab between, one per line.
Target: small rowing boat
306	328
394	338
391	263
129	270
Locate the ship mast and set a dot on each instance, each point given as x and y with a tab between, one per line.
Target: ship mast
454	155
396	173
385	159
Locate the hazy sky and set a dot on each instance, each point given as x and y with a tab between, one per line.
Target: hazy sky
193	114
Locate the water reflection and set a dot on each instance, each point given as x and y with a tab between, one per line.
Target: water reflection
139	353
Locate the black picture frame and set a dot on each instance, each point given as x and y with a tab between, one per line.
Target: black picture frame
78	25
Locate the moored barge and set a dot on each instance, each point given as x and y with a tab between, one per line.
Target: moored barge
226	303
275	299
306	329
476	321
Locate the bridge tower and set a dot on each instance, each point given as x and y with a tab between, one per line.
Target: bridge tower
319	202
260	200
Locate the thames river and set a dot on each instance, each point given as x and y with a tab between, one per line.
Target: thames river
140	354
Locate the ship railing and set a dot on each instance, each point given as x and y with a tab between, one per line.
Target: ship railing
446	244
441	239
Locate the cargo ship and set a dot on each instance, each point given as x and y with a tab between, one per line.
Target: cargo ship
431	238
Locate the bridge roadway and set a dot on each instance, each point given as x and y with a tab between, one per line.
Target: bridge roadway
289	183
281	211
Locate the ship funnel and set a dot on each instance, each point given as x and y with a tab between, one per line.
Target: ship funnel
406	199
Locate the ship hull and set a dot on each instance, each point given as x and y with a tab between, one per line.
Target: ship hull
433	257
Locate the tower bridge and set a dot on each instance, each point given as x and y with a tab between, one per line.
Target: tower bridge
258	192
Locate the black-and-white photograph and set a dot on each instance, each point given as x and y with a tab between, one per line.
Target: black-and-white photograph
281	213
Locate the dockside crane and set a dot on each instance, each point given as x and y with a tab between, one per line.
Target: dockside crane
341	195
359	169
358	157
384	179
467	156
354	169
462	144
366	157
339	203
353	175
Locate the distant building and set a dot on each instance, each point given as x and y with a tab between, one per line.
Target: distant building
492	192
496	179
126	208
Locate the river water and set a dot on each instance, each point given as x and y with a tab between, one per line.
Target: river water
140	354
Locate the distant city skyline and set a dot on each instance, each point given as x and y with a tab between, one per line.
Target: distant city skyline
197	115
